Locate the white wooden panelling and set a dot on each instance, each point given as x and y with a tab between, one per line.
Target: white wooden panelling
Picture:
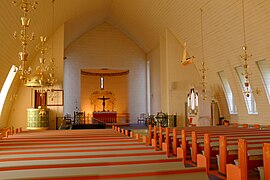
144	21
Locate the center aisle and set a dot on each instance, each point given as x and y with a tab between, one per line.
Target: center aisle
86	154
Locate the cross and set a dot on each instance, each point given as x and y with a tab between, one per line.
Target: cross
103	103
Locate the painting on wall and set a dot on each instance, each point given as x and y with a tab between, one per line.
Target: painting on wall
55	98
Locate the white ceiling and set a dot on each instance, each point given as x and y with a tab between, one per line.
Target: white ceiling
143	21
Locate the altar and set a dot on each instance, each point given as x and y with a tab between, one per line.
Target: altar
107	117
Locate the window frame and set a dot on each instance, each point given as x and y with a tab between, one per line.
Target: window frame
249	101
226	87
6	86
267	90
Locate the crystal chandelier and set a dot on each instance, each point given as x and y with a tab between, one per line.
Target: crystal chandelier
203	69
245	57
25	6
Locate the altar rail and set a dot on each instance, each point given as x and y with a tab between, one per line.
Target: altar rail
121	118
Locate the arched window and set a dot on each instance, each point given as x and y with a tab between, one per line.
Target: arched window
193	101
228	92
6	86
265	74
250	101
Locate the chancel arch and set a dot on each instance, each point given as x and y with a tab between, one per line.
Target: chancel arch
113	97
106	47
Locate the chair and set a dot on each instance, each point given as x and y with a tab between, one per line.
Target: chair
141	119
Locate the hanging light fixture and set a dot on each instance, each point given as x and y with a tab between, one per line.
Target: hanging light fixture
203	69
43	79
245	57
186	59
52	80
25	6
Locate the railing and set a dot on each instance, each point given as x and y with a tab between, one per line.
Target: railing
81	118
71	120
97	121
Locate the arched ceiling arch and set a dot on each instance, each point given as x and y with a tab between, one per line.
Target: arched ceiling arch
144	21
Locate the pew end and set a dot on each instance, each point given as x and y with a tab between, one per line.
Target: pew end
180	154
266	160
233	172
166	149
138	138
145	140
154	144
132	134
126	133
202	162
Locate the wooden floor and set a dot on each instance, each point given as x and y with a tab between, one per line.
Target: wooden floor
87	154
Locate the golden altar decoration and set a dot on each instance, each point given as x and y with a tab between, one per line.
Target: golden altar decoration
97	104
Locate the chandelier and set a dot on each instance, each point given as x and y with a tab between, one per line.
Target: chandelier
203	69
25	6
245	57
44	78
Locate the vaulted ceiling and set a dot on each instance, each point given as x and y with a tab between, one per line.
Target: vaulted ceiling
143	21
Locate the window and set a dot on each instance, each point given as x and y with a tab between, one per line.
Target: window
250	101
6	86
265	73
193	101
101	83
228	92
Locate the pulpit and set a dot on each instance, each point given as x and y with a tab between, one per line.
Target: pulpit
37	119
107	117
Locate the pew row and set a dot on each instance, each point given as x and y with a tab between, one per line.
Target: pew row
226	149
195	139
76	155
249	157
5	132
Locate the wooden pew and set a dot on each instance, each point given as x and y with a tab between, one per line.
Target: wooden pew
5	132
150	134
257	126
197	136
265	169
248	158
227	153
135	167
159	136
185	140
214	145
154	139
266	160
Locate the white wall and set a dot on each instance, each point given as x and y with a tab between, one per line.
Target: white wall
176	79
106	47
